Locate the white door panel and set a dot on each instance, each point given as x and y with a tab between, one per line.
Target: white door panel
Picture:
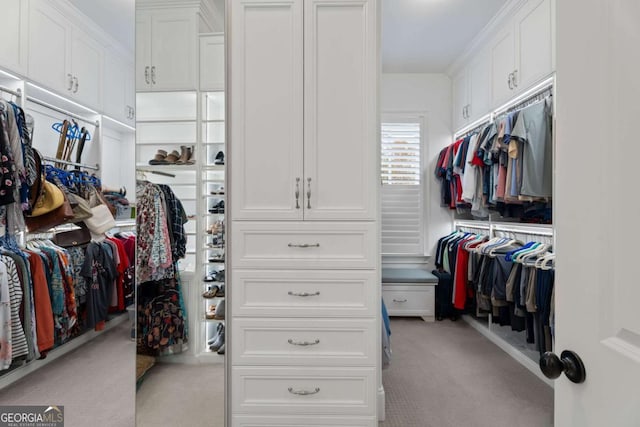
597	288
266	129
533	42
14	35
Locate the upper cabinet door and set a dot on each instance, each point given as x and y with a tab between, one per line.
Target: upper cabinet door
533	27
86	66
266	105
341	132
143	51
460	92
114	86
173	50
212	62
49	34
479	76
502	65
14	35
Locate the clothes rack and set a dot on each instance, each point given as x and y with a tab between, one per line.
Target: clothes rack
66	162
16	92
95	123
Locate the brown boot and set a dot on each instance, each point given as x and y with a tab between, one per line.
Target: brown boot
192	159
184	155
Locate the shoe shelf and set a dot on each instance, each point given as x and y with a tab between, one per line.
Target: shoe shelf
211	151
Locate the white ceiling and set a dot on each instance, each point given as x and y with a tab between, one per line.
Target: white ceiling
116	17
426	36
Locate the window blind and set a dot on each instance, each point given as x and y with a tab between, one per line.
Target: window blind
402	188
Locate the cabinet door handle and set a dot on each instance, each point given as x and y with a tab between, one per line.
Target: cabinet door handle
133	113
303	294
304	245
70	81
75	89
308	193
510	81
515	78
304	392
153	74
464	112
303	343
468	111
146	74
399	300
297	193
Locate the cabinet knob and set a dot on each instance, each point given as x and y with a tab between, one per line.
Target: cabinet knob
568	362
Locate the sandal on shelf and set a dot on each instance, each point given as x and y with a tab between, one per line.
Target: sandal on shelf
212	292
211	312
173	157
159	159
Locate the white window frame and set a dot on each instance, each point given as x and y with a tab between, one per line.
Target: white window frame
421	118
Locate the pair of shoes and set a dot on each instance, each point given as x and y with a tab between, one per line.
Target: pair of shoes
221	350
219	191
217	342
219	329
215	311
212	292
217	276
216	228
185	157
217	208
219	158
217	258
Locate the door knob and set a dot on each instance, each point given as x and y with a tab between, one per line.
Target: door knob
568	362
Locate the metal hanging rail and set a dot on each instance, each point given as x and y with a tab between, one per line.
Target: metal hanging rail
66	162
96	123
531	95
17	92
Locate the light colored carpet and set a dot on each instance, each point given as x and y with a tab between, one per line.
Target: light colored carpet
180	395
95	383
445	374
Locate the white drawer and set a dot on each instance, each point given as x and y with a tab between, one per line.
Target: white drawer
304	391
312	421
412	300
299	244
296	293
290	342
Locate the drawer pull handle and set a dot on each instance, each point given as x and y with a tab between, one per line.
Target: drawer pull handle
304	245
304	294
399	300
303	392
303	343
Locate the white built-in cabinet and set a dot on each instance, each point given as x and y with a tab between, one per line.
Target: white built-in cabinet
304	187
518	54
119	90
212	76
472	91
324	169
13	33
64	57
521	52
166	49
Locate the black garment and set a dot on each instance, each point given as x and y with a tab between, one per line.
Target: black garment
99	271
444	293
176	218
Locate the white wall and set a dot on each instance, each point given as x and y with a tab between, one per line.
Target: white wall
430	94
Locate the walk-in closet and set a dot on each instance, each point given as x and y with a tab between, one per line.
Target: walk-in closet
314	213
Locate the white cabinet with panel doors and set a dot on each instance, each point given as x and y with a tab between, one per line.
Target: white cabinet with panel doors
323	170
472	90
521	53
166	46
304	147
212	62
13	33
119	93
64	57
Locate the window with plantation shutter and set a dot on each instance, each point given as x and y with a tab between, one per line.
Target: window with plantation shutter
402	186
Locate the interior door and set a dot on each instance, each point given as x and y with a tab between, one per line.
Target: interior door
597	289
266	110
341	133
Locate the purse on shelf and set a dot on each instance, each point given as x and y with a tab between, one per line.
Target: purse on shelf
101	221
72	238
80	206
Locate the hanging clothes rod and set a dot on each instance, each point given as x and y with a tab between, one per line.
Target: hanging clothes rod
17	92
61	111
532	94
66	162
143	171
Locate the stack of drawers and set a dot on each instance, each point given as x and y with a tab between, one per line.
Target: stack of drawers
304	324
